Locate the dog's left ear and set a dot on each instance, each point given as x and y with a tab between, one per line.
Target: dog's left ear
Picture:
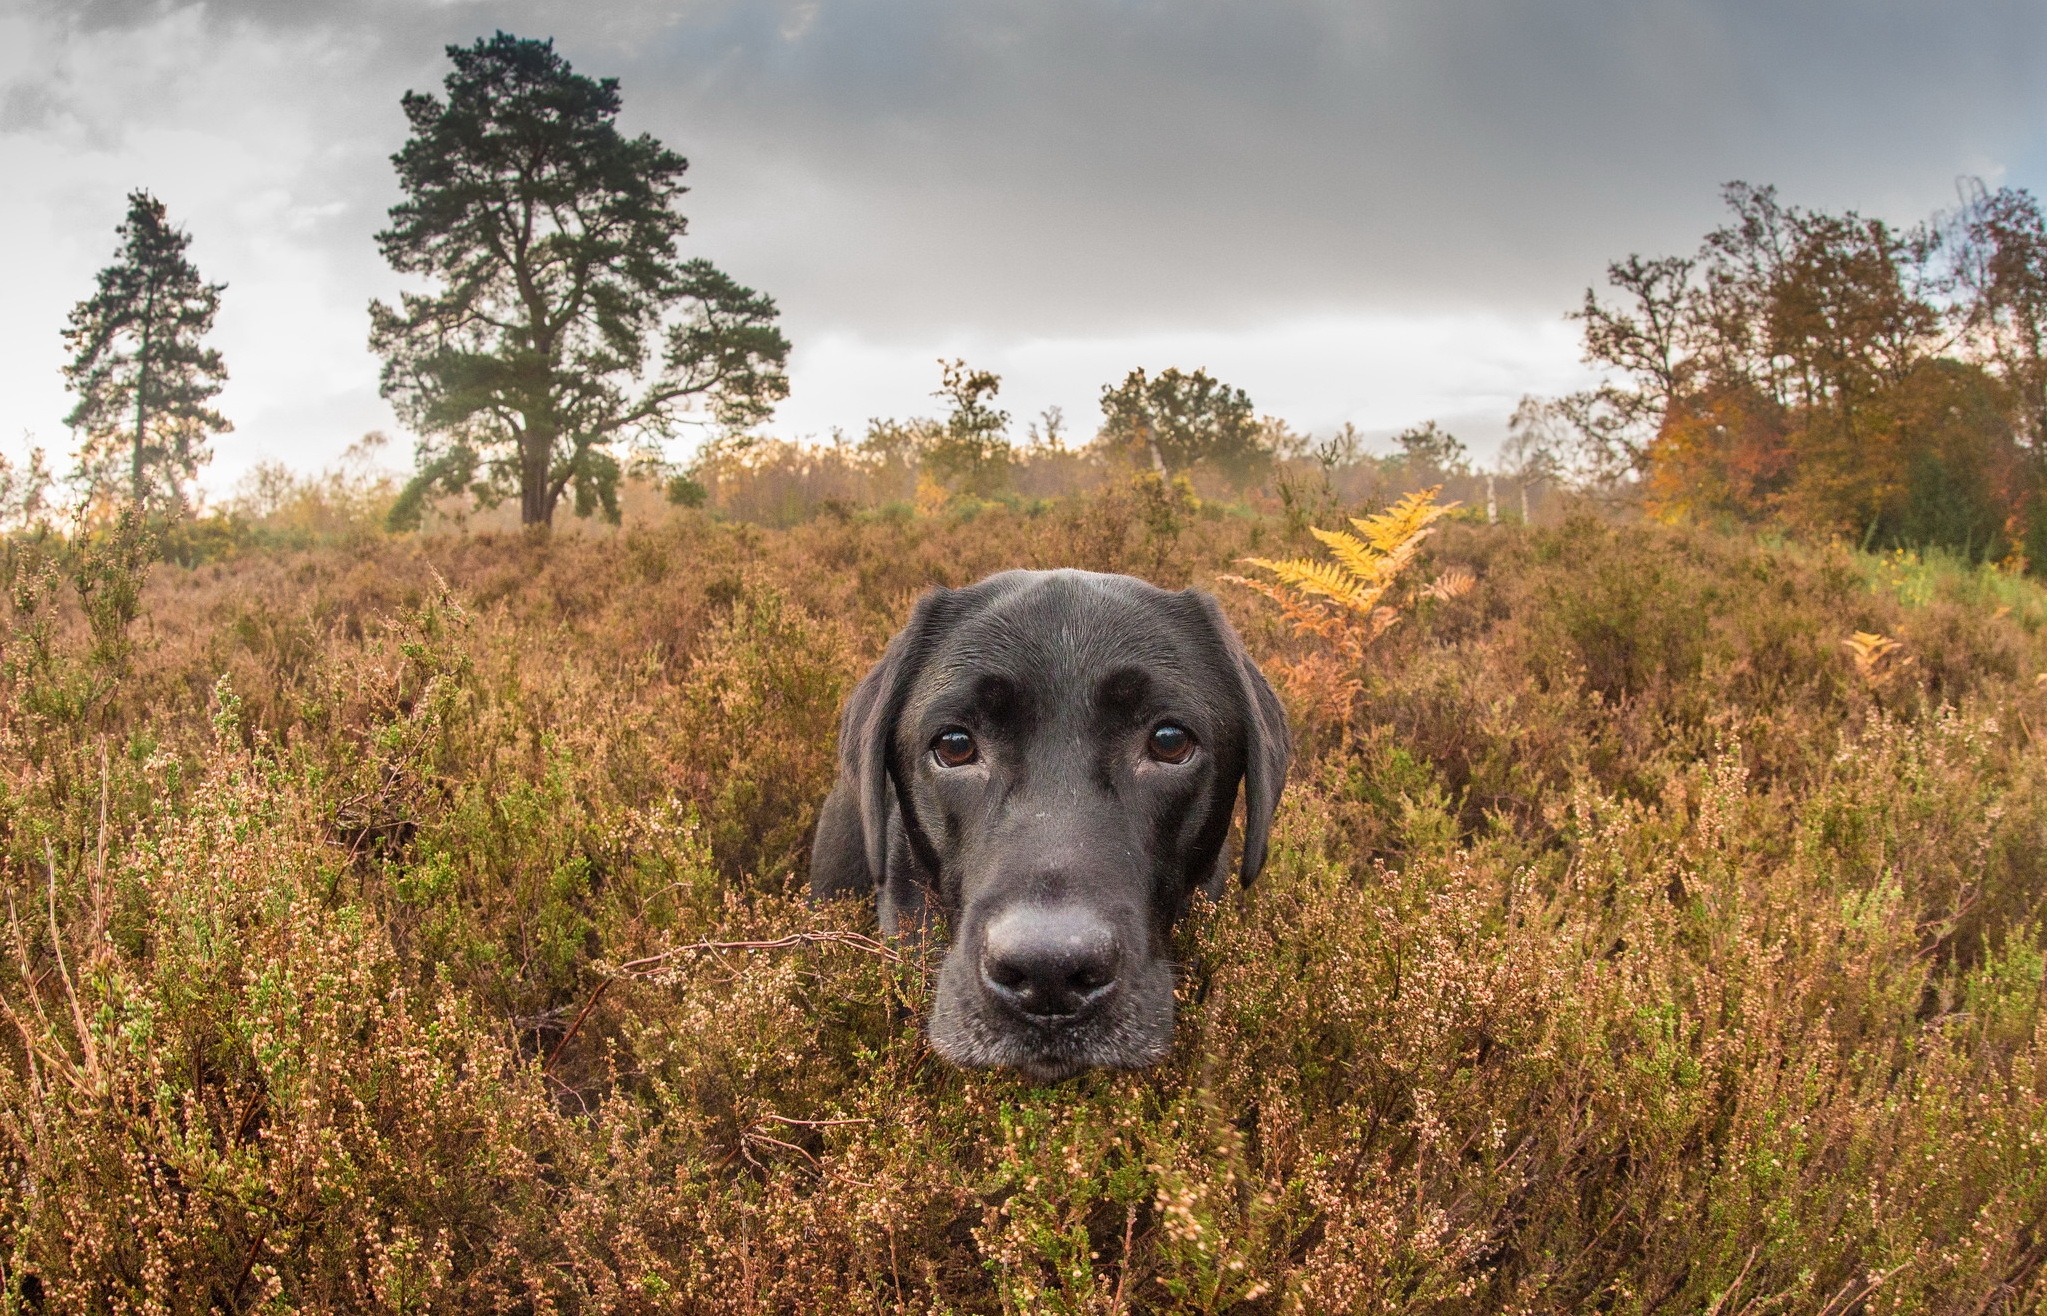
867	732
1268	745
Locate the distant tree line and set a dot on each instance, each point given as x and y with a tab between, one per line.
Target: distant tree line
1828	372
1166	425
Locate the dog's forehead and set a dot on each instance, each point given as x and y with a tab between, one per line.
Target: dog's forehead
1065	631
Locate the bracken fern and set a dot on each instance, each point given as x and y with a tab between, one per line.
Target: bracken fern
1351	601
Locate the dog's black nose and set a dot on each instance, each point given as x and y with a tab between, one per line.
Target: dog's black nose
1050	963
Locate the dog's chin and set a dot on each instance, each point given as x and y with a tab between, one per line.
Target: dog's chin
1134	1031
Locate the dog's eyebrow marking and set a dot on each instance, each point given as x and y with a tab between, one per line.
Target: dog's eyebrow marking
1122	691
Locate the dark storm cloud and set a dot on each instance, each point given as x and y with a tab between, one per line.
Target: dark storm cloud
1047	164
1257	155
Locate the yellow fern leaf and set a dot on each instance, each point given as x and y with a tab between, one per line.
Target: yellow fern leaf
1874	654
1361	558
1403	522
1359	579
1870	646
1312	577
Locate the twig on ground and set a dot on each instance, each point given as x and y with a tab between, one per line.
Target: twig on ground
813	1124
574	1024
856	940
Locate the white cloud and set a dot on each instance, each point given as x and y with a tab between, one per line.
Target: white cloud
219	126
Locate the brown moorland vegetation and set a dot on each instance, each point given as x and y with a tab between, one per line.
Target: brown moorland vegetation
414	924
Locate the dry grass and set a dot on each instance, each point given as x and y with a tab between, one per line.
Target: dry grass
412	925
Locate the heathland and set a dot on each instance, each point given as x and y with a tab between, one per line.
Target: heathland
415	923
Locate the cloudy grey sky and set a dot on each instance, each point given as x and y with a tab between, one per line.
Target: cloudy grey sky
1373	210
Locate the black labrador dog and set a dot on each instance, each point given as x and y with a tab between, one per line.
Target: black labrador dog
1050	760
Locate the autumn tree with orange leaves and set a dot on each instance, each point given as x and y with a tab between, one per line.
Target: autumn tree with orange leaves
1833	373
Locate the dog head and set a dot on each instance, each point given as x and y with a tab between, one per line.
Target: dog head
1050	761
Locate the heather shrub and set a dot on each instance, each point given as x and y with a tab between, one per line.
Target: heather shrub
764	696
412	923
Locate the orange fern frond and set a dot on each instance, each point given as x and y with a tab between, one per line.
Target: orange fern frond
1454	583
1345	601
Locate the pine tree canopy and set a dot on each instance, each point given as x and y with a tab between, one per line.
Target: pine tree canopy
142	378
562	320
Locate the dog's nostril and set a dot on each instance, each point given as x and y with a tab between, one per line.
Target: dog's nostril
1049	962
1006	974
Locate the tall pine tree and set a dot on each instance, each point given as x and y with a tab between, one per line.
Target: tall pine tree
142	378
563	321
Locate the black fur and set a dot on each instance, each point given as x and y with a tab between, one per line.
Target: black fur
1066	819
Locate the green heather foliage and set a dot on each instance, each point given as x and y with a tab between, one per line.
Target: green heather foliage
1624	946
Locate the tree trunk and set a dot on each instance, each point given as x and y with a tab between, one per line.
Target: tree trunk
536	453
142	395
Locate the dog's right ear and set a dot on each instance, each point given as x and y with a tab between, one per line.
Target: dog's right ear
1268	746
867	732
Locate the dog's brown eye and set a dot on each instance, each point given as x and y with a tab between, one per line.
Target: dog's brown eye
955	748
1172	744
